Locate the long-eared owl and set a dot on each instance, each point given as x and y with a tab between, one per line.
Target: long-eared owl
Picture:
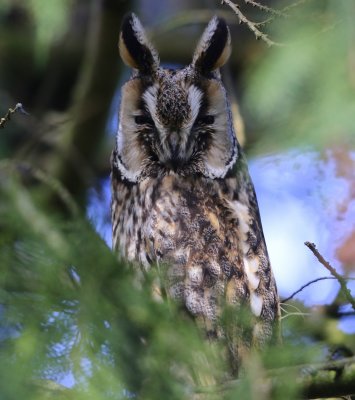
181	192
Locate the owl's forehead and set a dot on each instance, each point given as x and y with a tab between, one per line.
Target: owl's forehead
175	95
173	98
174	79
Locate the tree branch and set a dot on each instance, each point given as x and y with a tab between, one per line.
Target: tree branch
341	279
306	285
333	379
10	111
253	26
323	380
24	168
265	8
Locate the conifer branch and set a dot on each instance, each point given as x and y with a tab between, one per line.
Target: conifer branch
10	111
323	380
265	8
253	26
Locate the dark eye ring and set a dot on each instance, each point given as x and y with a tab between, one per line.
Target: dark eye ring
205	120
143	120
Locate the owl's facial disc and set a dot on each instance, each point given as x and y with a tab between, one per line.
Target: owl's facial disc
174	106
175	123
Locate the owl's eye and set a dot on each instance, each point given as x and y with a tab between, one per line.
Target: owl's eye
205	120
143	120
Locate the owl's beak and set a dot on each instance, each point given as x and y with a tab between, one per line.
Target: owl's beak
174	142
174	145
175	160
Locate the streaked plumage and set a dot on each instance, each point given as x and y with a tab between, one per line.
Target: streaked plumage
181	191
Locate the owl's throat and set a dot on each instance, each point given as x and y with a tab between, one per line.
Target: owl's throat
174	164
174	155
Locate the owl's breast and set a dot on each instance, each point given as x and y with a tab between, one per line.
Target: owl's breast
187	220
190	229
207	245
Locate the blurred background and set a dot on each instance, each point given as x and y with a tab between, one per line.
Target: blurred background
294	111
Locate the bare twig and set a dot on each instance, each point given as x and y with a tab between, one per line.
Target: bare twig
306	285
253	26
266	8
293	5
282	306
341	279
10	111
275	13
265	22
286	314
294	314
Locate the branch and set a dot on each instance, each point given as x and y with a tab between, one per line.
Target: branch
10	111
293	5
251	25
341	279
266	8
333	379
323	380
274	13
24	168
47	389
306	285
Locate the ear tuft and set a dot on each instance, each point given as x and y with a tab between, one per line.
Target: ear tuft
214	48
135	49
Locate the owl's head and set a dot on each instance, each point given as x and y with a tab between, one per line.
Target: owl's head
174	121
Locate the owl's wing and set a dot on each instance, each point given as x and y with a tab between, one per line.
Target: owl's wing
263	296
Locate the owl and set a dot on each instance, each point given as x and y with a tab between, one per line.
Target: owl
182	196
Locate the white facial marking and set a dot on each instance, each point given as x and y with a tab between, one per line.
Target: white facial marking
194	96
150	98
222	153
130	174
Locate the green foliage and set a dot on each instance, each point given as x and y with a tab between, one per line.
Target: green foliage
50	19
304	91
70	307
